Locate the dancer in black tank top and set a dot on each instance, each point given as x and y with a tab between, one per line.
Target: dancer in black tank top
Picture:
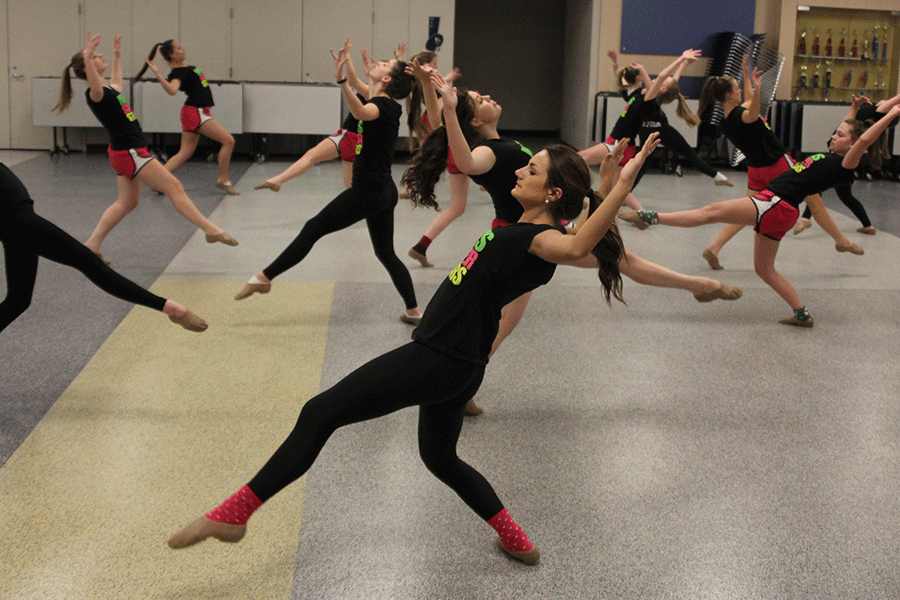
128	153
196	118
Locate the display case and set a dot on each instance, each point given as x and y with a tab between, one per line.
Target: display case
841	52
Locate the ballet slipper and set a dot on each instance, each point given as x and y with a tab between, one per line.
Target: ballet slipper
797	322
221	237
411	319
801	226
852	249
267	185
419	257
867	230
253	288
190	321
228	188
724	292
626	214
532	557
712	259
203	528
472	409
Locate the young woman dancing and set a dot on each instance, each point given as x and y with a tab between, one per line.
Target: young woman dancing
25	236
766	156
664	90
631	87
867	113
373	194
470	133
444	364
128	152
346	142
774	211
196	118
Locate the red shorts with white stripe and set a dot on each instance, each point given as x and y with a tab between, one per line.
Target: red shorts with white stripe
192	118
758	178
630	150
349	144
774	216
127	163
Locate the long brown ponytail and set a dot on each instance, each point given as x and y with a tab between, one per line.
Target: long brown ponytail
165	50
715	87
673	93
65	91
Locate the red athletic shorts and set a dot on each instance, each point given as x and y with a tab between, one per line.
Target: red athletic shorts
630	150
192	118
349	144
127	163
774	216
758	178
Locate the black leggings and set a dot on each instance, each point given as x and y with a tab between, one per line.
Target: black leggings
674	141
26	236
845	194
352	205
410	375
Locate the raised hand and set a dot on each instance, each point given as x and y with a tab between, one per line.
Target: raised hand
691	55
448	94
117	45
613	56
340	61
612	159
91	43
419	71
631	168
400	52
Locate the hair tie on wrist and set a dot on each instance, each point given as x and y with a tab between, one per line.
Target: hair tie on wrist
340	81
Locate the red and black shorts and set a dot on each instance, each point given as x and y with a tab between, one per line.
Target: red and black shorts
759	178
774	216
630	150
127	163
192	118
349	144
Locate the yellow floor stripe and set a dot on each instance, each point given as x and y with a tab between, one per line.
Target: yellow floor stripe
160	426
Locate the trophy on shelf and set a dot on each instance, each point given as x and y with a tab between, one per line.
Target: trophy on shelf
801	82
875	42
854	48
848	78
815	83
828	43
828	86
801	45
863	79
815	44
865	52
842	46
884	42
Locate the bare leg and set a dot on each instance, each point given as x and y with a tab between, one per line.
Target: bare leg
126	201
823	218
214	131
347	167
711	254
158	178
459	194
185	151
741	211
595	154
764	251
645	272
324	150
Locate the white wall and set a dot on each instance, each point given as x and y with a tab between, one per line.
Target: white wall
579	71
244	40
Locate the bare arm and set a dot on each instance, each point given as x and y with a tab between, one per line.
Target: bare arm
171	87
115	78
615	62
361	87
851	159
687	57
432	102
360	111
95	82
854	106
754	101
567	249
471	162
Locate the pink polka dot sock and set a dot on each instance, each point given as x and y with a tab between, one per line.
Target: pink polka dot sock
237	509
511	535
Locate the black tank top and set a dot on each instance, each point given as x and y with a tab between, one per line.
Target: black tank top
755	140
500	180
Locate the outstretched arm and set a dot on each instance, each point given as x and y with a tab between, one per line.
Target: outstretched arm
566	249
432	103
687	57
115	78
753	101
95	82
854	106
361	87
851	159
471	162
615	62
363	112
